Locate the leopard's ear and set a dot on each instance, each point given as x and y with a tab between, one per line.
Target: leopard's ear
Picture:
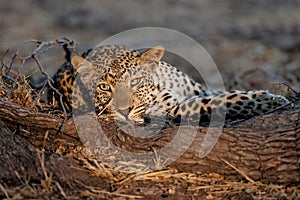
83	67
153	55
79	62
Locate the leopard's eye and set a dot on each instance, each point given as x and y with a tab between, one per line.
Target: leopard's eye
104	87
135	82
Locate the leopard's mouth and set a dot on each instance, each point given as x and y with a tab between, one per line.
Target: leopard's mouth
136	114
130	114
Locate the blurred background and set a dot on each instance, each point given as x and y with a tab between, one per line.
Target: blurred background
255	43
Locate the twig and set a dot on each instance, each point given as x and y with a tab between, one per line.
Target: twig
42	47
17	52
239	171
115	194
41	158
140	176
297	94
4	191
49	80
61	190
45	139
94	190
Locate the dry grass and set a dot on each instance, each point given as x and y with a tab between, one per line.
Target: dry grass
21	94
126	181
170	182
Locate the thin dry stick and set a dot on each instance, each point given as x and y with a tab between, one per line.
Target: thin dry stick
41	157
115	194
296	96
49	80
4	191
45	139
94	190
61	190
23	62
239	171
42	48
141	176
19	177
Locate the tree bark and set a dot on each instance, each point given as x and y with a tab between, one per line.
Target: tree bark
266	148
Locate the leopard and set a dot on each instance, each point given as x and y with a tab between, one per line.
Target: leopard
133	85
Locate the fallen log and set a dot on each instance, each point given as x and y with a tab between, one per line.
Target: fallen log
265	149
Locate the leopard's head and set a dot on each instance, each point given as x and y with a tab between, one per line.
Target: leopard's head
124	85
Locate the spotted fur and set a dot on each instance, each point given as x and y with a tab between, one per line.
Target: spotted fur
130	85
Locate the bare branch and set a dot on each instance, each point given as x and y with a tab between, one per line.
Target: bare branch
42	47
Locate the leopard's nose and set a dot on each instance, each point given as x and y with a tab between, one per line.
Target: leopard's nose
124	112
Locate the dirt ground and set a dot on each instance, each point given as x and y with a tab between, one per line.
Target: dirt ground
255	45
